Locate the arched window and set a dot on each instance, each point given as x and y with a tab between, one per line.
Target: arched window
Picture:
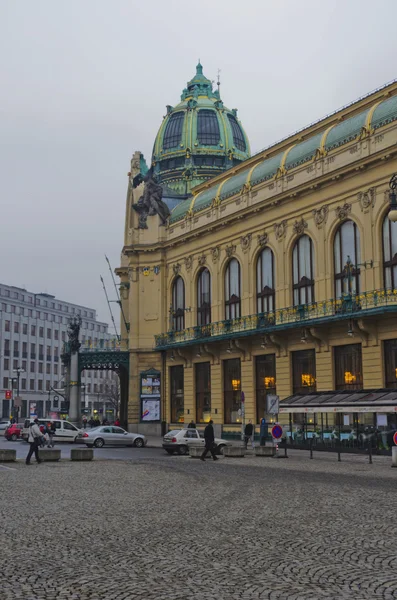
208	128
390	253
302	261
178	304
232	290
238	137
173	130
204	297
265	281
346	259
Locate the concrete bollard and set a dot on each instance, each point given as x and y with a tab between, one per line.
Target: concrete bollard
8	455
81	454
195	451
265	450
49	454
394	456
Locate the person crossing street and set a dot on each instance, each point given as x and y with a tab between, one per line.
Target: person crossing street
209	441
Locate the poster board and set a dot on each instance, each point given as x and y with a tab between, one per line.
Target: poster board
150	396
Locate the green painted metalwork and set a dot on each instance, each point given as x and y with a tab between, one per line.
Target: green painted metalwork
104	360
385	113
349	306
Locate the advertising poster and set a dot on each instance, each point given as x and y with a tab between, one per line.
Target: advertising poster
150	410
150	396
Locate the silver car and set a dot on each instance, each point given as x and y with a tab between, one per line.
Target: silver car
179	441
110	435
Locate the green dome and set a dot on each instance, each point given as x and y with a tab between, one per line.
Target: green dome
198	139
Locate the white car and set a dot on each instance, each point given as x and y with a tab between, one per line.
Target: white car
179	441
4	425
64	431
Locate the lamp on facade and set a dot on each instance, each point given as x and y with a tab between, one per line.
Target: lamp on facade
393	199
350	332
263	343
303	336
172	357
230	348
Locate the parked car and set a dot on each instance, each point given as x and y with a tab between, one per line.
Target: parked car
13	432
4	425
111	435
64	431
179	440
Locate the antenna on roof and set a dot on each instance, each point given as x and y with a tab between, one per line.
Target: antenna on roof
218	81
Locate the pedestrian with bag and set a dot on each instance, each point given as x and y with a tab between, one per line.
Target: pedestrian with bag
34	439
249	434
209	441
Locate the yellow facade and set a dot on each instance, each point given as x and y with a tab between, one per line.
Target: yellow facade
349	182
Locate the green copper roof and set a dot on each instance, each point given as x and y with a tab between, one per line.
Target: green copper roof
234	184
346	131
303	152
180	211
385	113
266	169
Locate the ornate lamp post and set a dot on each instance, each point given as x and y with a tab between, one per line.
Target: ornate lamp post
393	199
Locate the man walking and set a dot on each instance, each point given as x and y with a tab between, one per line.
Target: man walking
34	441
209	441
249	434
192	425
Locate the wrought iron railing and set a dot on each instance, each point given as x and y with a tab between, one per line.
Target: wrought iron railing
349	305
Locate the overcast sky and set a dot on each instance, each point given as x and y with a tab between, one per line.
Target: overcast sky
84	83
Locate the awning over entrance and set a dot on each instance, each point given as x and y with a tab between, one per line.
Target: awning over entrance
347	401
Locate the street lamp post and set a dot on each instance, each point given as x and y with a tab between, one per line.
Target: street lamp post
393	199
18	371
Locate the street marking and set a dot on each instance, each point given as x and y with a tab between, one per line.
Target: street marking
7	468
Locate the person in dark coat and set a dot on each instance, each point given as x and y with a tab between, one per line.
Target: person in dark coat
249	434
192	425
209	441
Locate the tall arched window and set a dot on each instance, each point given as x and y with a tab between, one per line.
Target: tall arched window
346	259
265	281
390	253
178	304
232	290
303	275
204	297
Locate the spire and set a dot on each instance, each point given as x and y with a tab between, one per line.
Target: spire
199	68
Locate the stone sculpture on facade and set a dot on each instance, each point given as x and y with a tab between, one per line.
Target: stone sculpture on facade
73	333
151	203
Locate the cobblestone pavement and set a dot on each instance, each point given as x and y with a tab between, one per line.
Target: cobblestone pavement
180	529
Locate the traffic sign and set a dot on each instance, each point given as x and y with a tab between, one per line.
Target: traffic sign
277	432
8	394
273	404
395	438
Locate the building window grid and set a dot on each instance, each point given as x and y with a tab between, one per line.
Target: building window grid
348	367
389	239
203	392
302	265
232	290
208	133
238	136
204	297
304	371
173	133
265	382
177	394
232	390
347	244
178	304
265	282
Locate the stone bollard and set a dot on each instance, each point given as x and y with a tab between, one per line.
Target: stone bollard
8	455
394	456
265	451
81	454
196	451
234	451
49	454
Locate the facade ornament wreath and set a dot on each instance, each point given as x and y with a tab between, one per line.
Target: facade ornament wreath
299	226
176	268
202	260
320	215
263	239
280	229
343	211
367	199
188	262
230	250
245	241
215	253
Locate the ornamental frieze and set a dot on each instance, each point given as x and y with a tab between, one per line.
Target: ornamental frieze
263	239
245	241
280	229
343	211
367	199
299	226
320	215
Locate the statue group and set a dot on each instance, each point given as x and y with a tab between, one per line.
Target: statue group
151	203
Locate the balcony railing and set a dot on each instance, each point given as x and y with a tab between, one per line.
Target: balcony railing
348	306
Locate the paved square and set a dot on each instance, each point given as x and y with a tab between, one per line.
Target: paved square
175	528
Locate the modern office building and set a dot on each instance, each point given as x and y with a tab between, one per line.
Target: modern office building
33	328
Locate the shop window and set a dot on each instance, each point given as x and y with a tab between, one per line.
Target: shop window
265	382
347	259
348	367
203	392
208	133
390	361
390	253
204	297
304	371
232	390
265	281
177	394
303	275
232	290
178	304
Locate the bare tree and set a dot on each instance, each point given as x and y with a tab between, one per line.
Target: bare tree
111	394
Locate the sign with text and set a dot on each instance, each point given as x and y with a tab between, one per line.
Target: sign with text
150	394
272	404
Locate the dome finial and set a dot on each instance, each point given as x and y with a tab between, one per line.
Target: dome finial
199	68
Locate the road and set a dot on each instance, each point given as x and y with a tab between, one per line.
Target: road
156	527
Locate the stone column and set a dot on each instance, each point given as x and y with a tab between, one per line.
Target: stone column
74	396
